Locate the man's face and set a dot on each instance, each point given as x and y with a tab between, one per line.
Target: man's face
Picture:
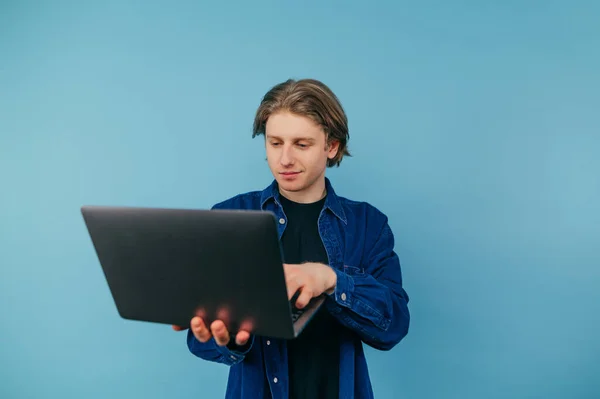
297	153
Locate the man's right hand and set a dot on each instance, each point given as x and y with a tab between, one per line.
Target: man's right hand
217	330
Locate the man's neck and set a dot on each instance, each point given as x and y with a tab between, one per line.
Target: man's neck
314	193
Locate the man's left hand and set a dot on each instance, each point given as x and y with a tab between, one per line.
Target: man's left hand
312	279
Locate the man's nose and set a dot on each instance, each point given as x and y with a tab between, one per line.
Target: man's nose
286	156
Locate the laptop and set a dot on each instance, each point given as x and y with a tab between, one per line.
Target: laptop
168	265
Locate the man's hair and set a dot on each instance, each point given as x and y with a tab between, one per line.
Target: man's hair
310	98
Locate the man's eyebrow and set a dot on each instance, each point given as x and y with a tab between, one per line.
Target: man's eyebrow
309	139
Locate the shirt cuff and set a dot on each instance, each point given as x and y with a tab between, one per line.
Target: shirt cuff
344	289
234	352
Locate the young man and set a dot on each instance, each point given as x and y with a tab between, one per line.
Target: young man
331	245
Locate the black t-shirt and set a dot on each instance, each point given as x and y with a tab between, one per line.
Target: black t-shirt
313	357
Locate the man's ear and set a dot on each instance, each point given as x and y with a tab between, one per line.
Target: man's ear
332	148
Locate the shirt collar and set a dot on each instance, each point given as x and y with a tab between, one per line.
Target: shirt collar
332	201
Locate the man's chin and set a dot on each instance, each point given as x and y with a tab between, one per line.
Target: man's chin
290	186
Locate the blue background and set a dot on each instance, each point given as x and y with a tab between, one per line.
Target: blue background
474	125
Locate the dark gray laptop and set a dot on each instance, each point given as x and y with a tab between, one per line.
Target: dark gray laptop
168	265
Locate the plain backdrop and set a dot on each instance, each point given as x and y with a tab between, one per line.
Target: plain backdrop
475	126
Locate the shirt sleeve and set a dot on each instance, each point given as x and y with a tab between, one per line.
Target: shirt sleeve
370	299
230	354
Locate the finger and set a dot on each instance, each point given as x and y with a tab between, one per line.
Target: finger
247	325
179	328
293	284
292	290
242	338
220	332
223	315
199	329
305	296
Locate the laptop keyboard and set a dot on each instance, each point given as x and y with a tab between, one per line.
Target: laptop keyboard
296	313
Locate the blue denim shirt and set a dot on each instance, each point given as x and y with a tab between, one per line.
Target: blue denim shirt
369	299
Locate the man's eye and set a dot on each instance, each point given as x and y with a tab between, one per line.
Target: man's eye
274	144
302	145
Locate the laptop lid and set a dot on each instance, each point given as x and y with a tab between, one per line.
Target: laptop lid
168	265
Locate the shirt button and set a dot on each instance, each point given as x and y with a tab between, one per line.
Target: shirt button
282	221
232	357
268	342
275	380
343	296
